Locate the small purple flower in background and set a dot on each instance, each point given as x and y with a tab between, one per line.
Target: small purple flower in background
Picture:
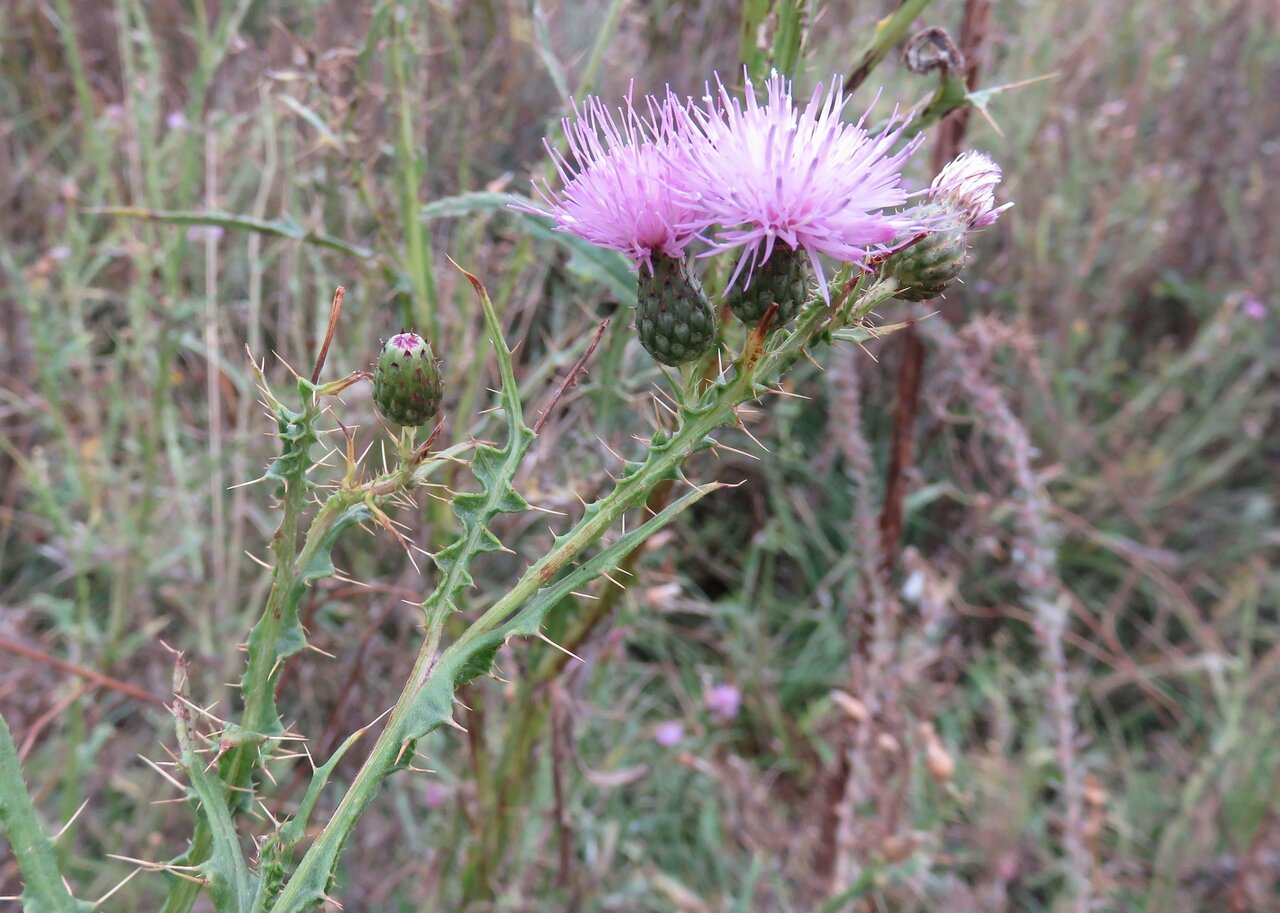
176	120
774	174
621	186
1254	310
724	701
435	795
967	187
668	734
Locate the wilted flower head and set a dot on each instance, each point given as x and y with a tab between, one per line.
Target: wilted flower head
774	173
967	187
621	180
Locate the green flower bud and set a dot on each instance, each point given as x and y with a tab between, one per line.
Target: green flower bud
677	323
927	268
783	278
406	381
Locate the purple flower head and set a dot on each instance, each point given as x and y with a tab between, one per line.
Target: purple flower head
967	186
776	173
1254	309
621	180
668	734
435	795
723	702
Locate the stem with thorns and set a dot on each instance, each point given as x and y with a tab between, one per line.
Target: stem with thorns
437	673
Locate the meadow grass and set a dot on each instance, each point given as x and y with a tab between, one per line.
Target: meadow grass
1099	397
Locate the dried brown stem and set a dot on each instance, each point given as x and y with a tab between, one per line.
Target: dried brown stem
104	681
575	373
335	310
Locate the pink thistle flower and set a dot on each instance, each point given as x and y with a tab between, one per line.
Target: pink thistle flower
723	701
774	173
668	734
621	186
967	187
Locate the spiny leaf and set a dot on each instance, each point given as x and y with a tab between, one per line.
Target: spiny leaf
468	658
43	890
231	885
494	468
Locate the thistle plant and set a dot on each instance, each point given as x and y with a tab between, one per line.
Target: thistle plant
784	190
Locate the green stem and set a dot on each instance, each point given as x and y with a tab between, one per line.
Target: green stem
718	408
409	165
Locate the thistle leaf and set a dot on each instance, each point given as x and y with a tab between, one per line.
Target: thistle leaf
43	891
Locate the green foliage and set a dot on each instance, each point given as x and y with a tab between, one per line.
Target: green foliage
43	891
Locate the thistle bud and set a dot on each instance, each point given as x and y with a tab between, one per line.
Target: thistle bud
783	278
406	381
676	321
927	268
962	198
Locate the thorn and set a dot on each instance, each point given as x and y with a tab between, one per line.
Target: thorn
242	485
71	820
101	900
266	811
201	710
155	866
544	637
256	560
750	456
610	449
548	510
314	649
753	437
162	772
605	574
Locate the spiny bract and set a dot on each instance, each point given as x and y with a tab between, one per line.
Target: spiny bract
676	322
784	279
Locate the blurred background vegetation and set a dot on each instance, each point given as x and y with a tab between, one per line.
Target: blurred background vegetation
788	708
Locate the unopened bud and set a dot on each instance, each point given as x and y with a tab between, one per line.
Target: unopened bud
783	278
406	381
927	268
676	322
961	198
